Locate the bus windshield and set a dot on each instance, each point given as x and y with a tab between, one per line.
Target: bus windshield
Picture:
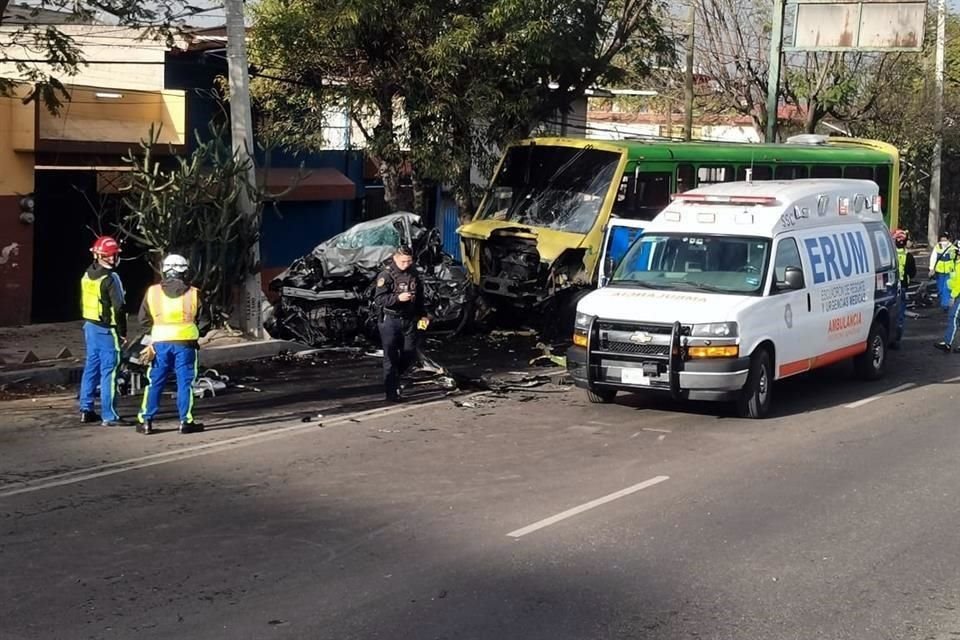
561	188
693	262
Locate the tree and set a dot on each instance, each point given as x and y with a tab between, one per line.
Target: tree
192	208
445	81
38	45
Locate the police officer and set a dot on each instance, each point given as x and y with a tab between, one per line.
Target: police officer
104	331
170	311
943	259
399	300
907	268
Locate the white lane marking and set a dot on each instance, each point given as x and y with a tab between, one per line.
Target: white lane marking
888	392
122	466
957	379
657	430
569	513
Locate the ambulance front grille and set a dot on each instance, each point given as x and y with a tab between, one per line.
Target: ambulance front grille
651	350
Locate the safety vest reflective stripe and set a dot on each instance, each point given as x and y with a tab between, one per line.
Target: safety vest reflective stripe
174	319
946	259
91	301
902	261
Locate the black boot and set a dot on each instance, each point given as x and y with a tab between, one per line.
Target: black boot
191	427
89	417
146	428
119	422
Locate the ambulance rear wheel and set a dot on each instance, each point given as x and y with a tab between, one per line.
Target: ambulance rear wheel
872	363
757	394
601	396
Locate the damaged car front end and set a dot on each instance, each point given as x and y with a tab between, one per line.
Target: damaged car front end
326	297
539	229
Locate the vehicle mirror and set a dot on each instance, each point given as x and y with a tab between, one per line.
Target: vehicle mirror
792	280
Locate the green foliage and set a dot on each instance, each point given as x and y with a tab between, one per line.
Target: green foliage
192	207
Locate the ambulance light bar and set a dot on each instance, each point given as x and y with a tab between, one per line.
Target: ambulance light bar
714	199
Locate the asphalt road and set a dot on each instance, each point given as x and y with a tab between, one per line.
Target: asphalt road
530	515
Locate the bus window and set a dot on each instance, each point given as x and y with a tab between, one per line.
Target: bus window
825	171
626	196
760	172
858	173
713	175
883	181
790	172
684	177
653	194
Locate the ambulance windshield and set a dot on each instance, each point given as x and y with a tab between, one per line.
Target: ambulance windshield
716	264
561	188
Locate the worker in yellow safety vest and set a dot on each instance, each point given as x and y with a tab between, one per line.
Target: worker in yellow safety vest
953	318
943	259
104	331
907	268
170	311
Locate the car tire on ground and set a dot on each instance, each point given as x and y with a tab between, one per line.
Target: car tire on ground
872	363
756	397
601	396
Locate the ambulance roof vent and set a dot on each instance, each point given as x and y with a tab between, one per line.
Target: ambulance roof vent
809	139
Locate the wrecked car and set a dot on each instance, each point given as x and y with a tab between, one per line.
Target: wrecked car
326	297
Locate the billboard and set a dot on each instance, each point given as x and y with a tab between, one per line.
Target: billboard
875	25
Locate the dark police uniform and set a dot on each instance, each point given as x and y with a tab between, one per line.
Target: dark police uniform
398	322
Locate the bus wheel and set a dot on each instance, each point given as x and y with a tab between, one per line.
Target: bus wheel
757	394
872	363
601	396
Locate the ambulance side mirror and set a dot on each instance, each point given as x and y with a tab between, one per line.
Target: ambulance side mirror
792	280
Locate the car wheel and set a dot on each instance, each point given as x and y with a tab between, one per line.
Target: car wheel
757	394
872	363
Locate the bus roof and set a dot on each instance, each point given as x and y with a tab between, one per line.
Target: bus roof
839	150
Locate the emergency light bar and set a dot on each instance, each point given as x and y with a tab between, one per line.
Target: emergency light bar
713	199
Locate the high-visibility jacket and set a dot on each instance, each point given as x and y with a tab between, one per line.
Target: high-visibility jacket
91	298
943	259
174	319
902	262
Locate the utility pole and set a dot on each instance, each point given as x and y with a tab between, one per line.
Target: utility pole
241	122
773	77
933	217
688	77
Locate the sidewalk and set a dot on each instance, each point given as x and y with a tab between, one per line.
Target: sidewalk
35	353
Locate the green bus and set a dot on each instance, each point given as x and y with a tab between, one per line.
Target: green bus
540	226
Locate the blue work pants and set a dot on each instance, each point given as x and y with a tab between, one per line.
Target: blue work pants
182	360
943	290
100	369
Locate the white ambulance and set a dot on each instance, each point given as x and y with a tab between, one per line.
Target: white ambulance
736	285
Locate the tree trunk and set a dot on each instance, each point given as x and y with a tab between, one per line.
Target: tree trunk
463	195
812	116
386	152
419	195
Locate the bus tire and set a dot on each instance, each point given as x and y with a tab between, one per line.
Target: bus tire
872	363
756	397
601	396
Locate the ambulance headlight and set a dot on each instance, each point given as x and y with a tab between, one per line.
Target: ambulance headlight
582	323
715	330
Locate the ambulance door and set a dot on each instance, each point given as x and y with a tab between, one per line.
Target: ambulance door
621	234
791	309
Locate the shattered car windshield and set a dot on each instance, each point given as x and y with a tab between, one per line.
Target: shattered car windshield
689	262
561	188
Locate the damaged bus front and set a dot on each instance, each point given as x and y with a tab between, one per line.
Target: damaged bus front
540	226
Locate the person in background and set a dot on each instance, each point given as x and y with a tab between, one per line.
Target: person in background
953	317
907	268
170	311
104	331
943	260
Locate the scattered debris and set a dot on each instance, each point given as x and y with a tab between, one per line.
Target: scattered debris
326	297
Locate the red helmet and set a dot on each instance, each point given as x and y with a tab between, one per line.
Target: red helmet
899	235
105	246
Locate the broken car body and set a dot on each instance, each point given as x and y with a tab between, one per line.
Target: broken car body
326	297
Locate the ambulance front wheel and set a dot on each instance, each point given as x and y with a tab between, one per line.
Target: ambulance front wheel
757	394
601	396
872	363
